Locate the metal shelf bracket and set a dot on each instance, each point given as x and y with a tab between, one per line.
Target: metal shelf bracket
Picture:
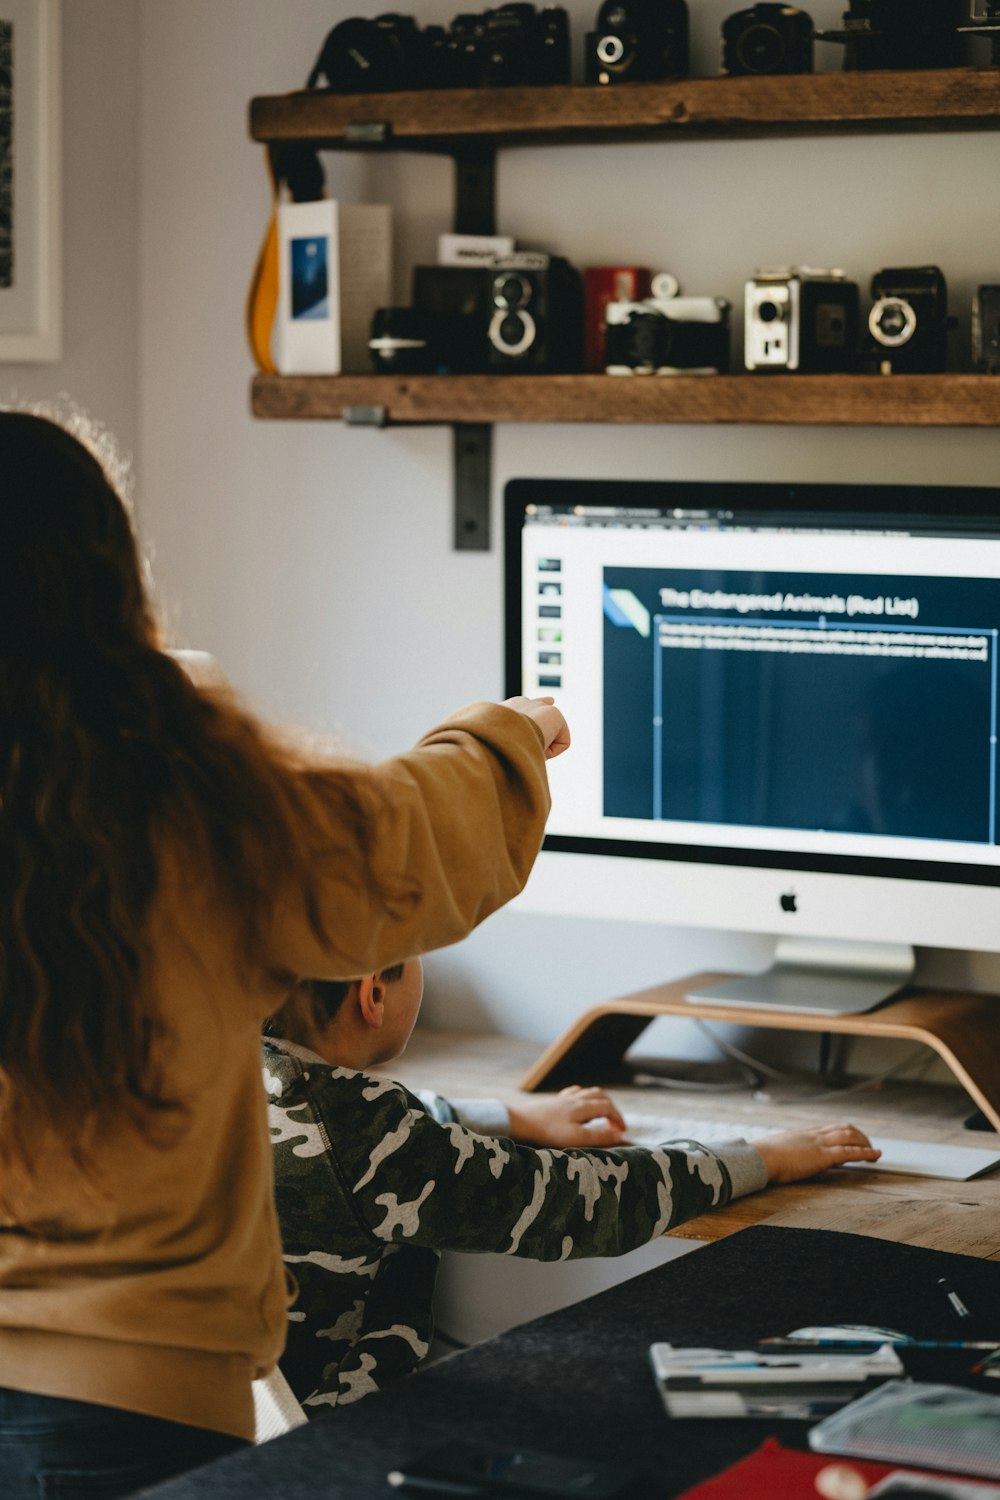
475	213
473	443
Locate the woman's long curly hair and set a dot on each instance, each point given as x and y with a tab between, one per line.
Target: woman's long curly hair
105	745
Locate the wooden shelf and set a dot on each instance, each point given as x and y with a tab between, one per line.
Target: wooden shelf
796	400
471	124
441	119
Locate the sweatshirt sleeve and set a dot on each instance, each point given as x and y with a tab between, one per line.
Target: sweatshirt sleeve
413	853
444	1187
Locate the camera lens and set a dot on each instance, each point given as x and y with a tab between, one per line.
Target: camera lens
768	312
610	50
512	333
511	330
892	322
760	49
511	291
649	333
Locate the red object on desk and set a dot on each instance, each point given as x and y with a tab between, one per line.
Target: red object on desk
773	1471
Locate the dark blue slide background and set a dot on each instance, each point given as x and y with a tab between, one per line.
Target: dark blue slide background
855	744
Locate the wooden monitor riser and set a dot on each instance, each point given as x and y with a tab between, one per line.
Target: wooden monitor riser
962	1028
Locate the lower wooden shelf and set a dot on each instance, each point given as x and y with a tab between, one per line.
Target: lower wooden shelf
962	1028
795	400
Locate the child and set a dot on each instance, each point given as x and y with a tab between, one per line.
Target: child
373	1181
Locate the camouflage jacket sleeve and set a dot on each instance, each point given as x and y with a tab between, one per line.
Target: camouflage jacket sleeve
370	1186
414	1180
484	1116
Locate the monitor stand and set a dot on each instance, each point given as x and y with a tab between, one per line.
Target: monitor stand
961	1027
827	978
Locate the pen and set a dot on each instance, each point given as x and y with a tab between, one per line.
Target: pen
454	1487
960	1308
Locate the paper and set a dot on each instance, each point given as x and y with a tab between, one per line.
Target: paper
749	1383
927	1426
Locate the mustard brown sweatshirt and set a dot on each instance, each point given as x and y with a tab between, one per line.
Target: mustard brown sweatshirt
159	1287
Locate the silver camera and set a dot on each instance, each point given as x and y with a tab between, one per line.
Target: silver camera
801	319
666	334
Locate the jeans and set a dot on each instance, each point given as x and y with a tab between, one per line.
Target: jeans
53	1449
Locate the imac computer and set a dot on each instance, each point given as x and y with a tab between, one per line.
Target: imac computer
783	703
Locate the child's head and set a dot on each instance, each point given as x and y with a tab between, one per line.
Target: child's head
355	1023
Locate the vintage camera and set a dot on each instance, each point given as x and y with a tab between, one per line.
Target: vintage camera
402	341
767	39
363	56
797	318
536	321
900	34
524	312
666	334
454	306
638	41
908	323
984	20
513	44
986	329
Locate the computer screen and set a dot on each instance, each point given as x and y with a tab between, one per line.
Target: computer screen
782	696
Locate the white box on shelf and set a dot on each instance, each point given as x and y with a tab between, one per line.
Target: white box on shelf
472	249
335	269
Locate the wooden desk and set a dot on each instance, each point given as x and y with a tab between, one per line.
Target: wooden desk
963	1217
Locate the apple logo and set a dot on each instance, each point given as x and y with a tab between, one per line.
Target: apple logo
788	900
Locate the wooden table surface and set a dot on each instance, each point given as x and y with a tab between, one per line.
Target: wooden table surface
963	1217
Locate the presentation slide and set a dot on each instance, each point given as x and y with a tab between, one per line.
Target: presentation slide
837	702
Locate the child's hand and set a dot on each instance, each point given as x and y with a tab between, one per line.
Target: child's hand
549	720
561	1119
802	1153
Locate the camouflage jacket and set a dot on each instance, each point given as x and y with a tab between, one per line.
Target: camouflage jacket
371	1186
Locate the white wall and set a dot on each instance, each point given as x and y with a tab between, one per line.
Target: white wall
99	364
315	561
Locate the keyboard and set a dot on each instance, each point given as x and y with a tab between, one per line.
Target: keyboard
916	1158
651	1130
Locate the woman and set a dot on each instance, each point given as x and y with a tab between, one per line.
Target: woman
169	871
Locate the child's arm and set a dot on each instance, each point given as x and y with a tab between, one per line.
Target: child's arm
444	1187
564	1119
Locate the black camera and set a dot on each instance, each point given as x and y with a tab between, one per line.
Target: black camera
767	39
986	329
900	34
402	341
802	320
514	44
667	336
524	312
363	56
984	20
537	314
453	305
638	41
908	323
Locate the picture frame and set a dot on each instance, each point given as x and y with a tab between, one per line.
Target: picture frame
30	186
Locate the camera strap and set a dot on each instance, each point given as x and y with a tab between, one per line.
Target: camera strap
297	168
